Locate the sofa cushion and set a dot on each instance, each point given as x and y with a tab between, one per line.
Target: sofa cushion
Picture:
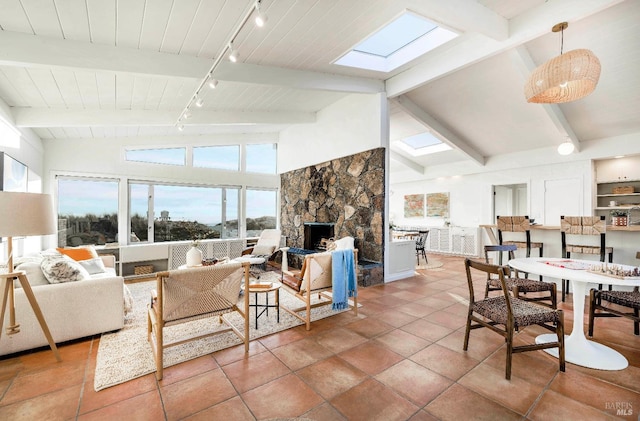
93	266
62	268
34	273
77	253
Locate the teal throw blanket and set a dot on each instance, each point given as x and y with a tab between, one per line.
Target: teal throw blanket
344	283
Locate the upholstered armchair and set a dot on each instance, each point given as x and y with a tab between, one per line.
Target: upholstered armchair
185	295
266	247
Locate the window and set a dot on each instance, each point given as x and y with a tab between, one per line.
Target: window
261	211
262	158
169	156
421	144
87	211
182	212
402	40
139	211
219	157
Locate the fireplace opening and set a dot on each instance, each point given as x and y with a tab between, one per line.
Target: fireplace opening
315	232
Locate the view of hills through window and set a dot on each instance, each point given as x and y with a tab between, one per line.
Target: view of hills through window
88	212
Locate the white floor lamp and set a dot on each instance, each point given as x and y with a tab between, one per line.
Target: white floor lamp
24	214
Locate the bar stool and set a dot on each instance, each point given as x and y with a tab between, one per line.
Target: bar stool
584	226
518	224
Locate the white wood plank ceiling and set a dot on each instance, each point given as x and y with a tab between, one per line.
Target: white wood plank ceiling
113	68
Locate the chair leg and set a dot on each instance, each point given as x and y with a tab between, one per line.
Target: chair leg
467	331
636	323
560	333
509	340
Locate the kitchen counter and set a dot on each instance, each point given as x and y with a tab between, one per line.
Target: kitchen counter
624	240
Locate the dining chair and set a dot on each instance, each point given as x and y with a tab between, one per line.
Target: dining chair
518	224
421	243
574	227
184	295
620	304
516	284
507	315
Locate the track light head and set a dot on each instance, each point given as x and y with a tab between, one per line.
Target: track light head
181	127
199	102
213	83
260	18
187	114
233	54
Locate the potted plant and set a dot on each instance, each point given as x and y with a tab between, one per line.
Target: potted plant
619	218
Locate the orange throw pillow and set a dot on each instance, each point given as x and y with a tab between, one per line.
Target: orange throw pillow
76	254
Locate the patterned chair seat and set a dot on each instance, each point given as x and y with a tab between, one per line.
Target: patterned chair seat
524	313
599	306
623	298
524	285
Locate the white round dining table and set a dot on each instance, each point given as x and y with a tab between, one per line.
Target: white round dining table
578	349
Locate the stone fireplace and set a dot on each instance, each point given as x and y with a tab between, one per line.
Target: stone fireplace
347	193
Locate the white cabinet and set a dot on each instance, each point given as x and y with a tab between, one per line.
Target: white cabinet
439	240
621	169
463	241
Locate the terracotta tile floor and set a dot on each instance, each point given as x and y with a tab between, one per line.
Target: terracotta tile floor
401	358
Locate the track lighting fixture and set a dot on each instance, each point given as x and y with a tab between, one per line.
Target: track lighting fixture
260	18
233	54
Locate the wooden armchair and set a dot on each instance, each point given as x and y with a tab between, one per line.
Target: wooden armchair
184	295
506	315
316	276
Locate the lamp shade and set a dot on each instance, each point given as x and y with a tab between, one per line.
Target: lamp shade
565	78
24	214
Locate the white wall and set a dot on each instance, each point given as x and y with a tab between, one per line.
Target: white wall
354	124
470	196
105	157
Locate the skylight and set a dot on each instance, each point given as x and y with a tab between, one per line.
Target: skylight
421	144
402	40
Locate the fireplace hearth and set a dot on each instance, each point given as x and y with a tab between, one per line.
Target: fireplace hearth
315	232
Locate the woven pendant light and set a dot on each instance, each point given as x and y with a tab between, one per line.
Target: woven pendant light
565	78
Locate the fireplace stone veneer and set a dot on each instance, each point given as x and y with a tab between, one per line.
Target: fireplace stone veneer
348	192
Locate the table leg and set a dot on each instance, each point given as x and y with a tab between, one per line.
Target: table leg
579	350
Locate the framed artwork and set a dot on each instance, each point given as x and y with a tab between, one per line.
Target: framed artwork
414	206
14	175
438	205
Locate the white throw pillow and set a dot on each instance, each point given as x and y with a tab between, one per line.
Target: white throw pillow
58	269
33	272
263	250
93	266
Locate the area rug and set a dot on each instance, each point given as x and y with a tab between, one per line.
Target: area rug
126	354
431	264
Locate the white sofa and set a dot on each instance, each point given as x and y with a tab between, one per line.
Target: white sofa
72	310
